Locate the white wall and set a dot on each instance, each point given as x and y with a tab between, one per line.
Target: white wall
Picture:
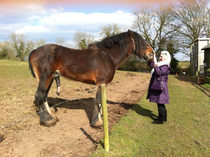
202	42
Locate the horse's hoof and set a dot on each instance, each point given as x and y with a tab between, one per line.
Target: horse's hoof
54	116
50	122
56	119
97	124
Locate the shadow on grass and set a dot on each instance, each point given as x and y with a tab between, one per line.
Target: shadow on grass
143	111
202	89
186	78
192	79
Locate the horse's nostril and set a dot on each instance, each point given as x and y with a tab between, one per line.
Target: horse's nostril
150	55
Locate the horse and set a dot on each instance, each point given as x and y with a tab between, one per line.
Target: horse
95	65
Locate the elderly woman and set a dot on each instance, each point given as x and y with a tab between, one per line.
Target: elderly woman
160	72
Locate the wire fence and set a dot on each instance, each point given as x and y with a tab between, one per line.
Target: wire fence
65	146
8	125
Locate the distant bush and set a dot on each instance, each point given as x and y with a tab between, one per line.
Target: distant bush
4	53
207	80
133	64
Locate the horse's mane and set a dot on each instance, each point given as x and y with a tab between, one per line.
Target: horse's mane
118	39
140	43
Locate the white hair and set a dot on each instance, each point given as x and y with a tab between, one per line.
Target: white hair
168	56
166	62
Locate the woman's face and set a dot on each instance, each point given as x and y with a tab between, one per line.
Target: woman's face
162	57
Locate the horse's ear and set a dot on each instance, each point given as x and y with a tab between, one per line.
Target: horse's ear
130	33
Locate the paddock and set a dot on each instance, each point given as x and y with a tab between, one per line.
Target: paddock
72	136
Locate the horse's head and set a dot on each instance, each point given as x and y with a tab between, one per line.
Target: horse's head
141	47
148	52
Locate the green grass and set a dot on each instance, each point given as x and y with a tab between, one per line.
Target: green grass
13	76
14	69
184	64
207	86
186	133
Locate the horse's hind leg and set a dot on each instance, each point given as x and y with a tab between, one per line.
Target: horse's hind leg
58	83
96	119
57	80
45	114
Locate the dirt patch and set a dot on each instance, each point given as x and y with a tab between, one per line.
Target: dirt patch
72	135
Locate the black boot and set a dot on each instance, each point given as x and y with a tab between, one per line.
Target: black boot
165	116
161	114
158	121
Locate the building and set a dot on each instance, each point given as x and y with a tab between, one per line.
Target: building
197	56
206	60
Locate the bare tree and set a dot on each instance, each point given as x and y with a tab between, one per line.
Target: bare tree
21	46
110	30
81	37
17	42
60	41
156	25
190	16
207	21
39	43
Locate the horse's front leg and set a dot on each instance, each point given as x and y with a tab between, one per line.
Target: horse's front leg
47	118
96	119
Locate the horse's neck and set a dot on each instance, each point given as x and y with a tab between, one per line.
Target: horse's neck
118	56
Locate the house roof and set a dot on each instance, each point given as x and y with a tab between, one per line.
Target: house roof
201	39
206	47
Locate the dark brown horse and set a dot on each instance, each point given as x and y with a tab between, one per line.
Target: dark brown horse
95	65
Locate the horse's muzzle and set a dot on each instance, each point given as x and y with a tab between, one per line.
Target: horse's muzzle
149	56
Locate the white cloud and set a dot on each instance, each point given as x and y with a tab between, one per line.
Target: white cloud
35	21
16	12
92	21
34	29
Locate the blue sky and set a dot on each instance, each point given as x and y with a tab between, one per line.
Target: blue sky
51	19
48	21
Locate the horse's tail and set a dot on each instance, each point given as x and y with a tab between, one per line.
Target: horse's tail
30	65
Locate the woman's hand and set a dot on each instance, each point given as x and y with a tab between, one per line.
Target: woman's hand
155	65
155	59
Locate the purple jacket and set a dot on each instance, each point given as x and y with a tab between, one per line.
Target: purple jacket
161	97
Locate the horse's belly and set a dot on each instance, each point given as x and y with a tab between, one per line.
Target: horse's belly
89	78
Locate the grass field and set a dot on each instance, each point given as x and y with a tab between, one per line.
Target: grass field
207	86
186	133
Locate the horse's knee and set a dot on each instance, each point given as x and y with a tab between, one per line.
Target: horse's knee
36	96
40	96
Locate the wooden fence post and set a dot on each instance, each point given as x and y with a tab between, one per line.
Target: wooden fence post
105	117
